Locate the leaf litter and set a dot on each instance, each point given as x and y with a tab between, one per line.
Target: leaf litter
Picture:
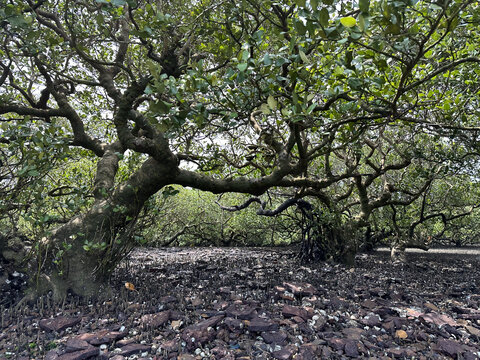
257	303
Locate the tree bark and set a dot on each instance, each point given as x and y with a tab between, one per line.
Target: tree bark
80	255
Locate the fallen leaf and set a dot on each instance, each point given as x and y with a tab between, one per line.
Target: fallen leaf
129	286
176	324
438	319
472	330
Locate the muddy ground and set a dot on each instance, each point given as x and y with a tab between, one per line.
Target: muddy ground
220	303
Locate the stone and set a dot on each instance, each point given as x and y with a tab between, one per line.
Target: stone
351	348
337	343
131	349
473	330
369	304
202	332
275	337
168	299
240	311
372	320
395	352
353	333
102	337
186	357
292	311
123	342
58	323
284	354
211	322
170	345
432	307
88	353
307	352
449	347
76	344
438	319
155	320
300	289
233	324
261	324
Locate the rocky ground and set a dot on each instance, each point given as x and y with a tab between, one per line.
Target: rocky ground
216	303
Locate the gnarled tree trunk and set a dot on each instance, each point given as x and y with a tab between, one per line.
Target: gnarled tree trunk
81	254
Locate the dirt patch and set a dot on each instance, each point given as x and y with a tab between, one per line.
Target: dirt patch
217	303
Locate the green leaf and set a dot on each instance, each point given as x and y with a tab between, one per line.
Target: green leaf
348	21
355	83
267	60
118	2
33	173
242	66
264	108
303	56
364	5
300	3
363	22
272	103
311	108
160	107
323	17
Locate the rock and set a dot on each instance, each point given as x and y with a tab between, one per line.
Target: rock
260	325
369	304
52	354
300	289
336	303
470	356
131	349
202	332
395	352
292	311
319	323
186	357
233	324
168	299
102	337
88	353
76	344
171	345
275	337
372	320
449	347
307	352
284	354
351	348
155	320
117	357
337	343
240	311
58	323
123	342
206	323
438	319
353	333
431	307
473	330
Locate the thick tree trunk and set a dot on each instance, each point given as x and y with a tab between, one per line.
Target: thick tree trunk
80	255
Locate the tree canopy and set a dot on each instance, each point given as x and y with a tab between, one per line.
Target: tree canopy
369	108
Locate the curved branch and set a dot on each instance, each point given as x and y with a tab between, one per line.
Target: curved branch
302	204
